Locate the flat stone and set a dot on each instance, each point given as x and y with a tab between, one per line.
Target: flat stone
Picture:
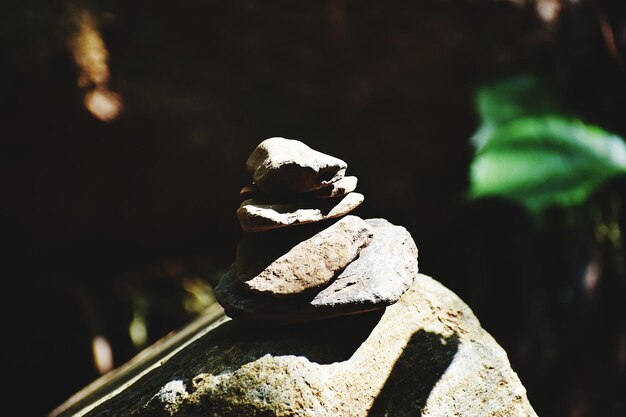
257	251
309	265
257	215
381	274
377	278
282	166
336	189
427	355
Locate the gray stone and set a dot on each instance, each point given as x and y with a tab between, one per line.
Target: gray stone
377	278
380	275
282	166
426	355
310	264
257	251
336	189
257	215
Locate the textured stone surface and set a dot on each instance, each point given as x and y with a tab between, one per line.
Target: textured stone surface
426	355
281	166
336	189
308	265
257	251
377	278
256	215
381	274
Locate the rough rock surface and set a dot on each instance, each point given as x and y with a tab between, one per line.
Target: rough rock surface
257	215
426	355
310	264
381	274
280	166
383	271
257	251
336	189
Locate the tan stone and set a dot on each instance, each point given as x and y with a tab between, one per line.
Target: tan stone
383	271
310	264
337	189
256	215
282	166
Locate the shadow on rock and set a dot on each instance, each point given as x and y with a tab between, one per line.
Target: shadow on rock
233	345
423	361
322	342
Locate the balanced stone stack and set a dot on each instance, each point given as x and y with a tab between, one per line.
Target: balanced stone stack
305	258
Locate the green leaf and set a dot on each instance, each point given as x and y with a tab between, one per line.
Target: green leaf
545	160
510	99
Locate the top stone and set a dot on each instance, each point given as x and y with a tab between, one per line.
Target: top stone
286	166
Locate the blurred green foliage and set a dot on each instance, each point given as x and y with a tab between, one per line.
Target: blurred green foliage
528	150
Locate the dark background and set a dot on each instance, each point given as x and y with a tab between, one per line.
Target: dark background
95	212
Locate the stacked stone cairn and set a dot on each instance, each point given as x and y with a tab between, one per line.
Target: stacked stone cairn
304	258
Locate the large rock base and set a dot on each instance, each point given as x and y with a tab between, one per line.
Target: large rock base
426	355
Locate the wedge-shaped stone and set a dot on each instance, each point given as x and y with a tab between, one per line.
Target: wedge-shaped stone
309	265
256	215
280	166
383	271
257	251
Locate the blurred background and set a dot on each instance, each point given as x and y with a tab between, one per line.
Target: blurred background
492	130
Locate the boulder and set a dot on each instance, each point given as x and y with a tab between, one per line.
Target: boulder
257	215
310	264
426	355
284	166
